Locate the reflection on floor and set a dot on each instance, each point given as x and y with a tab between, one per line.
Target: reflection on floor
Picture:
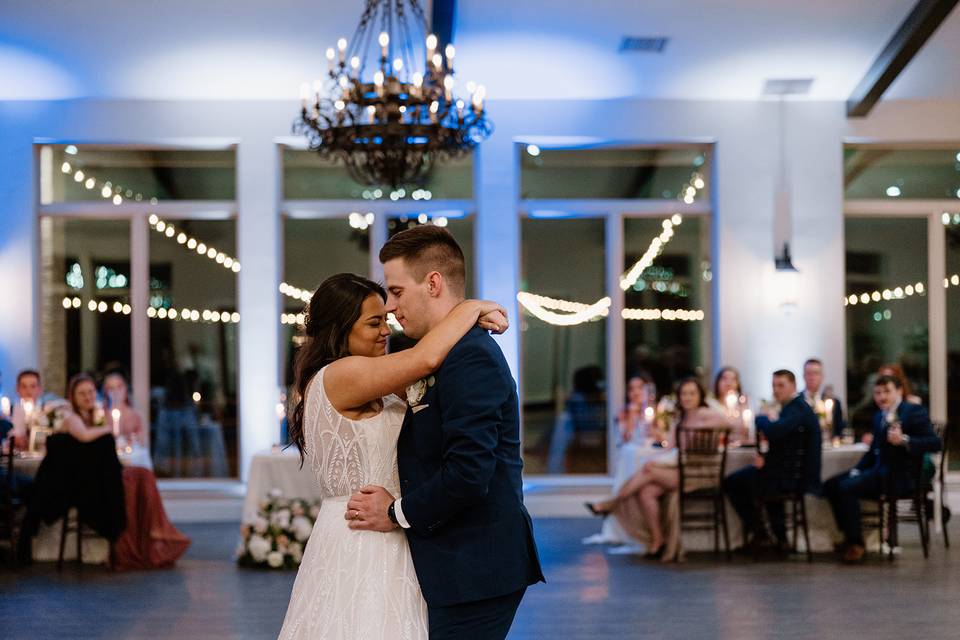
590	594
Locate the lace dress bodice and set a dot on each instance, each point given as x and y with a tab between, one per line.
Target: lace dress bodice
347	455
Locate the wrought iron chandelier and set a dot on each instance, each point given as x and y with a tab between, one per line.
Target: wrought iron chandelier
392	120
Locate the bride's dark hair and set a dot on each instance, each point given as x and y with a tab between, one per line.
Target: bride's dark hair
333	310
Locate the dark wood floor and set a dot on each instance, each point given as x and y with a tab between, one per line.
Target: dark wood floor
590	595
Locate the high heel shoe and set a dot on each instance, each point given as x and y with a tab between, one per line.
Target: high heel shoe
655	554
592	508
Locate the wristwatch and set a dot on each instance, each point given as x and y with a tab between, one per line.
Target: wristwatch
392	513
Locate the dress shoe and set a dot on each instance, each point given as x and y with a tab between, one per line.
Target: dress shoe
854	554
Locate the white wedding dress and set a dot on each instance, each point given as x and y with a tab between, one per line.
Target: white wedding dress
353	584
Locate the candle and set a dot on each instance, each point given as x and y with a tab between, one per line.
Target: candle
731	401
330	56
342	47
384	43
304	95
115	414
5	406
828	407
648	414
27	406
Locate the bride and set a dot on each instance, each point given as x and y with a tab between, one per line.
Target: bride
360	584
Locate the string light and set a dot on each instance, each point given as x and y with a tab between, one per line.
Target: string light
575	313
686	315
184	314
168	230
654	249
295	292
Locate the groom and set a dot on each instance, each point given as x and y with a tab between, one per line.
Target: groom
462	509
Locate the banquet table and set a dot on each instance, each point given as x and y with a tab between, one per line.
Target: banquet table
46	544
823	531
278	470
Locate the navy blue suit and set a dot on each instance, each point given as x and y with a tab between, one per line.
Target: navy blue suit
797	426
883	467
470	535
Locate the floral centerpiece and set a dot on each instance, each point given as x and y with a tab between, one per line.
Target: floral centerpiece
51	416
278	536
46	421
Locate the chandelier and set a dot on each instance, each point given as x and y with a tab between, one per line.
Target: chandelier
387	107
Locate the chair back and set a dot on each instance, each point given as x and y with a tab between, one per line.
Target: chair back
789	469
942	429
701	457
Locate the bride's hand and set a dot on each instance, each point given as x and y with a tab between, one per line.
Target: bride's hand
494	322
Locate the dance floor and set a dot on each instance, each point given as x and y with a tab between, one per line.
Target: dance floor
590	594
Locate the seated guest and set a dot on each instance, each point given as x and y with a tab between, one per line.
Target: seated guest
897	372
816	396
797	427
32	397
80	470
728	397
633	419
902	433
637	504
116	393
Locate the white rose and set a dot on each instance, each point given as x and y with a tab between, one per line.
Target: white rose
280	518
296	551
415	392
260	524
275	493
259	547
302	528
275	559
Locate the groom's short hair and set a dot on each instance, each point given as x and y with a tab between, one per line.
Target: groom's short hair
427	248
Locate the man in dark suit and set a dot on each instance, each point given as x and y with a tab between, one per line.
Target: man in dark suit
818	396
902	433
458	454
797	427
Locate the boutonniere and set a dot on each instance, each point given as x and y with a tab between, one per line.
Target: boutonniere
418	389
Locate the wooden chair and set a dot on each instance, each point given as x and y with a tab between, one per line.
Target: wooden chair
942	429
893	507
69	526
789	486
10	503
702	463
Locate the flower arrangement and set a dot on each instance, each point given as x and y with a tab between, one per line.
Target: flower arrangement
277	538
51	416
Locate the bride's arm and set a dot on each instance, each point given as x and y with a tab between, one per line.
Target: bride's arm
356	380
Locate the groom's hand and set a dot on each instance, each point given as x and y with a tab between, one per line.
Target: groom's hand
367	510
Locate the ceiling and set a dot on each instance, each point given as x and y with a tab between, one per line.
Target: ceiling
535	49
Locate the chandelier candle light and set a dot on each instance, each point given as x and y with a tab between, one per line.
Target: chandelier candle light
390	120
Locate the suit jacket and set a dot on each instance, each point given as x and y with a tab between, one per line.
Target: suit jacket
470	535
797	426
895	462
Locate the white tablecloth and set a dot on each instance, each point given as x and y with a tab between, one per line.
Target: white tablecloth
823	531
281	471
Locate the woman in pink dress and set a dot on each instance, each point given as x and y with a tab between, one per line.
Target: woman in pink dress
637	504
116	393
150	541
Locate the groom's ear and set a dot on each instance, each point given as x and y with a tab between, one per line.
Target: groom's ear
435	284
